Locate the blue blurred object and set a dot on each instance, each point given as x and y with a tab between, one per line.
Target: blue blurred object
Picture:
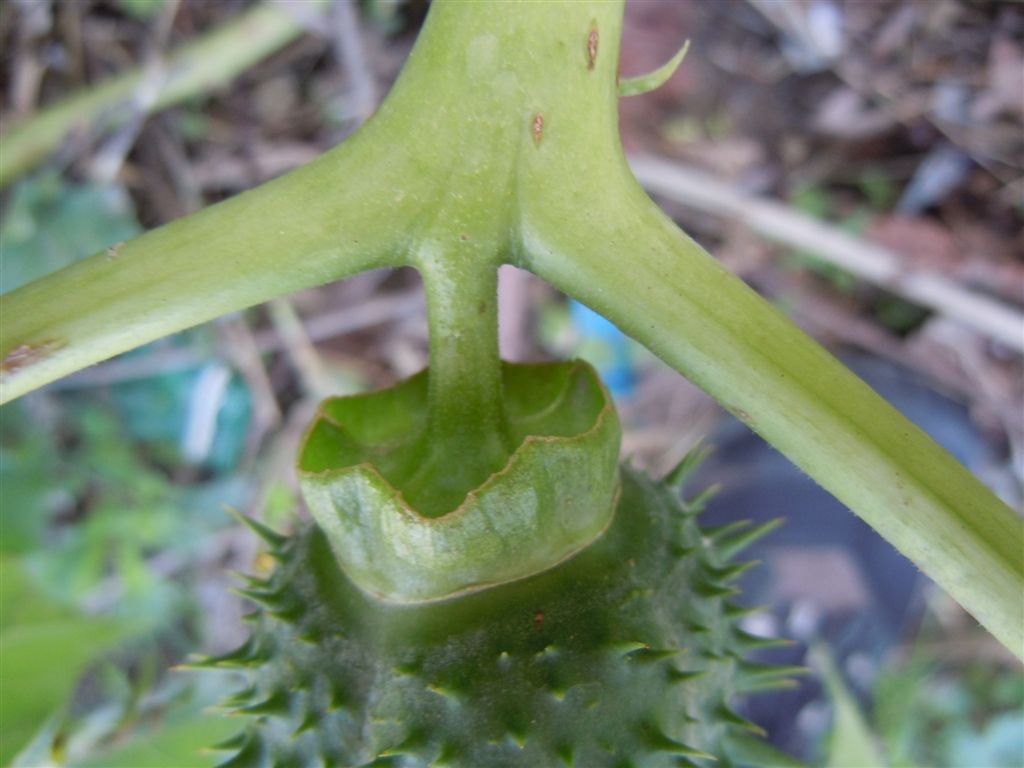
941	172
199	416
1001	742
606	348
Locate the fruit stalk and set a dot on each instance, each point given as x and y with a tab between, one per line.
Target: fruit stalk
467	435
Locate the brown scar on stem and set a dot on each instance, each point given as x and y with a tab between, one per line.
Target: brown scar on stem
538	128
113	250
25	355
592	40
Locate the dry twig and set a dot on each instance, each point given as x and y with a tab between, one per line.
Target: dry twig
868	261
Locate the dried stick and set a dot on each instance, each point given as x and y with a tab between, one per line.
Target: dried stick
196	68
868	261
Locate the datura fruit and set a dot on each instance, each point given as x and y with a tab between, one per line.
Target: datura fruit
566	612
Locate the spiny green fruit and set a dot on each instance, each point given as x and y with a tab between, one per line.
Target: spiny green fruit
549	610
626	654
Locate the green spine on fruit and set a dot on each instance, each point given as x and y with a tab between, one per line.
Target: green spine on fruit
625	654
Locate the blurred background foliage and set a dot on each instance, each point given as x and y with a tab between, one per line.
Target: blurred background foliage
898	122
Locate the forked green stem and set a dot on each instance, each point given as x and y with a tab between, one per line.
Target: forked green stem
503	129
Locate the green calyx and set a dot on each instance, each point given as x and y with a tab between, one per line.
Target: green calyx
473	473
371	481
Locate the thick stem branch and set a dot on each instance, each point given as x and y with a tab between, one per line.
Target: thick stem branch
662	289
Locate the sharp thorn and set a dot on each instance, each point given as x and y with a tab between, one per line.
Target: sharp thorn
273	539
696	504
715	532
731	546
737	720
677	476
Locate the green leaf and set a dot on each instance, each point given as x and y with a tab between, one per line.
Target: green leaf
27	468
44	648
50	224
852	743
183	743
747	749
141	9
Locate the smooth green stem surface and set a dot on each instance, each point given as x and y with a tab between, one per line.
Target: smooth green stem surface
467	437
466	406
502	134
197	68
295	232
